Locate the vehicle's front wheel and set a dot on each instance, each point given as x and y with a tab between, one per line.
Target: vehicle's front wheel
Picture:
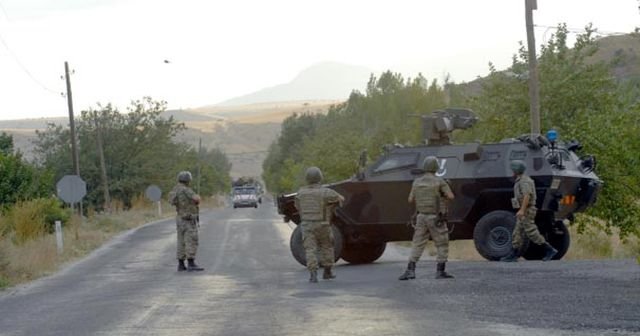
492	235
558	236
363	253
297	249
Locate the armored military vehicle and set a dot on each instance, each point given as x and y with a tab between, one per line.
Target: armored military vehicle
376	210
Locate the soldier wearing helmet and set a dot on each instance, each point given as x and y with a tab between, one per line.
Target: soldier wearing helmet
524	200
315	204
186	202
428	192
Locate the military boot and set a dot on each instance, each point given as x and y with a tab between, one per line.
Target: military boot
440	273
192	266
181	266
549	252
512	257
410	273
313	276
328	274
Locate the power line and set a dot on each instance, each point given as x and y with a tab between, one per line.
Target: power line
6	15
582	30
24	68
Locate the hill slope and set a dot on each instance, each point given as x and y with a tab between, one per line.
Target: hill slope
322	81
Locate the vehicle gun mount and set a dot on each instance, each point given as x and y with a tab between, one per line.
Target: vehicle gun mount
438	126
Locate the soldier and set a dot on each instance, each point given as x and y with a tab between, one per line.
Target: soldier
427	193
315	204
524	200
186	202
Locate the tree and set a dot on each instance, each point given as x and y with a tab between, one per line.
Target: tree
138	149
18	179
6	143
582	101
386	113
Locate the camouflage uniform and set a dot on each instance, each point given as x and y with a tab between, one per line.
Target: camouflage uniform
315	204
525	218
526	225
427	192
182	197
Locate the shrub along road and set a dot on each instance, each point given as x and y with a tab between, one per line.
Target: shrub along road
252	286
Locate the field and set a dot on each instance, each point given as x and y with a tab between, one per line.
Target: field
244	132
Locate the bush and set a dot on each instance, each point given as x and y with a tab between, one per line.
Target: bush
32	219
53	211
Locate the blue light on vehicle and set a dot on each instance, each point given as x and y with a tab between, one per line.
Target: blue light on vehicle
552	135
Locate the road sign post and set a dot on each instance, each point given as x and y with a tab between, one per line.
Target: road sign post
59	241
71	189
154	193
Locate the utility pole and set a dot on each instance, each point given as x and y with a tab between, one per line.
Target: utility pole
72	125
534	92
103	167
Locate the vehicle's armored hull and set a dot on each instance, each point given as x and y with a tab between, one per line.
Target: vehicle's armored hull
376	208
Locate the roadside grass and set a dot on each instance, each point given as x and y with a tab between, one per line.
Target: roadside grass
592	243
38	257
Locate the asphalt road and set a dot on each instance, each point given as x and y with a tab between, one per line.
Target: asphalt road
252	286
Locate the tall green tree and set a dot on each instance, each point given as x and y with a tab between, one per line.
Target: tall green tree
20	180
582	100
386	113
138	147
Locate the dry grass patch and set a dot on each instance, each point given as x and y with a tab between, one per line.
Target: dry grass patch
593	243
596	243
39	257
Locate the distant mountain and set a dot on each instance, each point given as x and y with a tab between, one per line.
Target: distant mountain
620	52
322	81
623	53
188	116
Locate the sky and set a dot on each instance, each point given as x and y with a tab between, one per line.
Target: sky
218	50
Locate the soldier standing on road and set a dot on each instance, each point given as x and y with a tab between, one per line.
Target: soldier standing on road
427	193
524	192
186	202
315	204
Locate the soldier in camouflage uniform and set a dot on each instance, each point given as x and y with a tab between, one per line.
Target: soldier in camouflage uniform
524	192
315	204
186	202
428	192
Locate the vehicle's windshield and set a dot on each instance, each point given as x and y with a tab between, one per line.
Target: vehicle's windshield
244	191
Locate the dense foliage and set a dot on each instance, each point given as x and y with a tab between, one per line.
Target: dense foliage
18	179
582	101
138	151
386	112
579	98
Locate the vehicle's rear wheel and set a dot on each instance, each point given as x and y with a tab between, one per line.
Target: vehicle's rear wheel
297	249
492	235
558	236
363	253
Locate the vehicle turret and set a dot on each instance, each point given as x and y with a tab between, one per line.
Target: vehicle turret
438	126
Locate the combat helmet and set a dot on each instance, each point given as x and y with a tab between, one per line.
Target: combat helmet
313	175
518	166
184	176
430	164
